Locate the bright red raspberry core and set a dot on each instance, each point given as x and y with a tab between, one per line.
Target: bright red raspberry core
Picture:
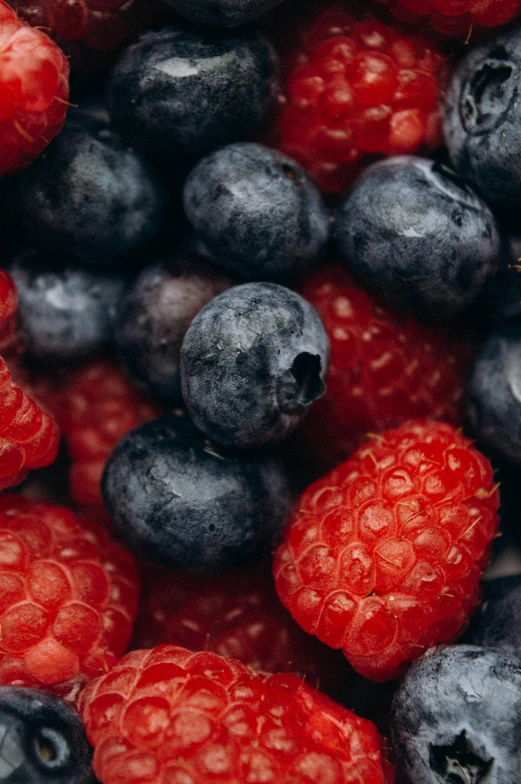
168	716
382	557
68	596
360	89
34	89
385	369
455	17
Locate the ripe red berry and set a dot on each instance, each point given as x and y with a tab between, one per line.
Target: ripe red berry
8	307
169	716
455	17
34	89
385	369
359	88
68	596
382	557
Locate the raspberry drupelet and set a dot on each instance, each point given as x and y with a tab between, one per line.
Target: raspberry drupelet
34	89
359	89
455	17
382	557
68	596
169	716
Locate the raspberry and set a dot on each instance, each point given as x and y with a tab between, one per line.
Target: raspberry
96	406
236	615
382	557
360	88
34	87
455	17
385	369
8	306
68	596
169	716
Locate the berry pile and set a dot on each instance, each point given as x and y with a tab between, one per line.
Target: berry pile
260	391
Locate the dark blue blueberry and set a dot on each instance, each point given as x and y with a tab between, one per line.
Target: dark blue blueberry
252	363
42	740
483	117
66	312
224	13
257	212
418	235
494	394
501	300
179	501
153	318
181	92
456	717
497	623
91	195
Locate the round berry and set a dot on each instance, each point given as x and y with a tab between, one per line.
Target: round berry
181	92
461	18
179	501
418	235
252	363
257	212
223	13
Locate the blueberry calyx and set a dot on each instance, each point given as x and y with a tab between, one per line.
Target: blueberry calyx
302	384
457	763
483	95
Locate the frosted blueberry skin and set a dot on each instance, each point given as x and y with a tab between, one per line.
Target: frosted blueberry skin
496	624
257	212
494	394
67	313
154	315
179	92
177	500
252	363
417	234
223	13
455	717
482	120
43	739
92	196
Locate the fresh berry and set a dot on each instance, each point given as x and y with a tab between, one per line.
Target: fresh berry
493	400
416	233
169	715
68	597
34	83
501	299
252	363
43	739
66	313
456	717
153	318
384	370
382	557
237	615
482	118
496	624
96	406
359	88
92	196
180	502
8	309
456	17
181	92
223	13
257	212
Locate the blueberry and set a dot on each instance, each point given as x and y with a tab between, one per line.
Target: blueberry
67	313
494	394
456	717
497	623
483	117
181	93
224	13
421	237
181	502
501	300
153	318
257	212
252	363
92	196
41	739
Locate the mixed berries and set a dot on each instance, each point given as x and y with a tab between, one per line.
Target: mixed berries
260	391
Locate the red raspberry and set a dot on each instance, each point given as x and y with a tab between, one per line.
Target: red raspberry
96	406
169	716
34	85
8	307
68	596
385	369
236	615
360	88
382	557
455	17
